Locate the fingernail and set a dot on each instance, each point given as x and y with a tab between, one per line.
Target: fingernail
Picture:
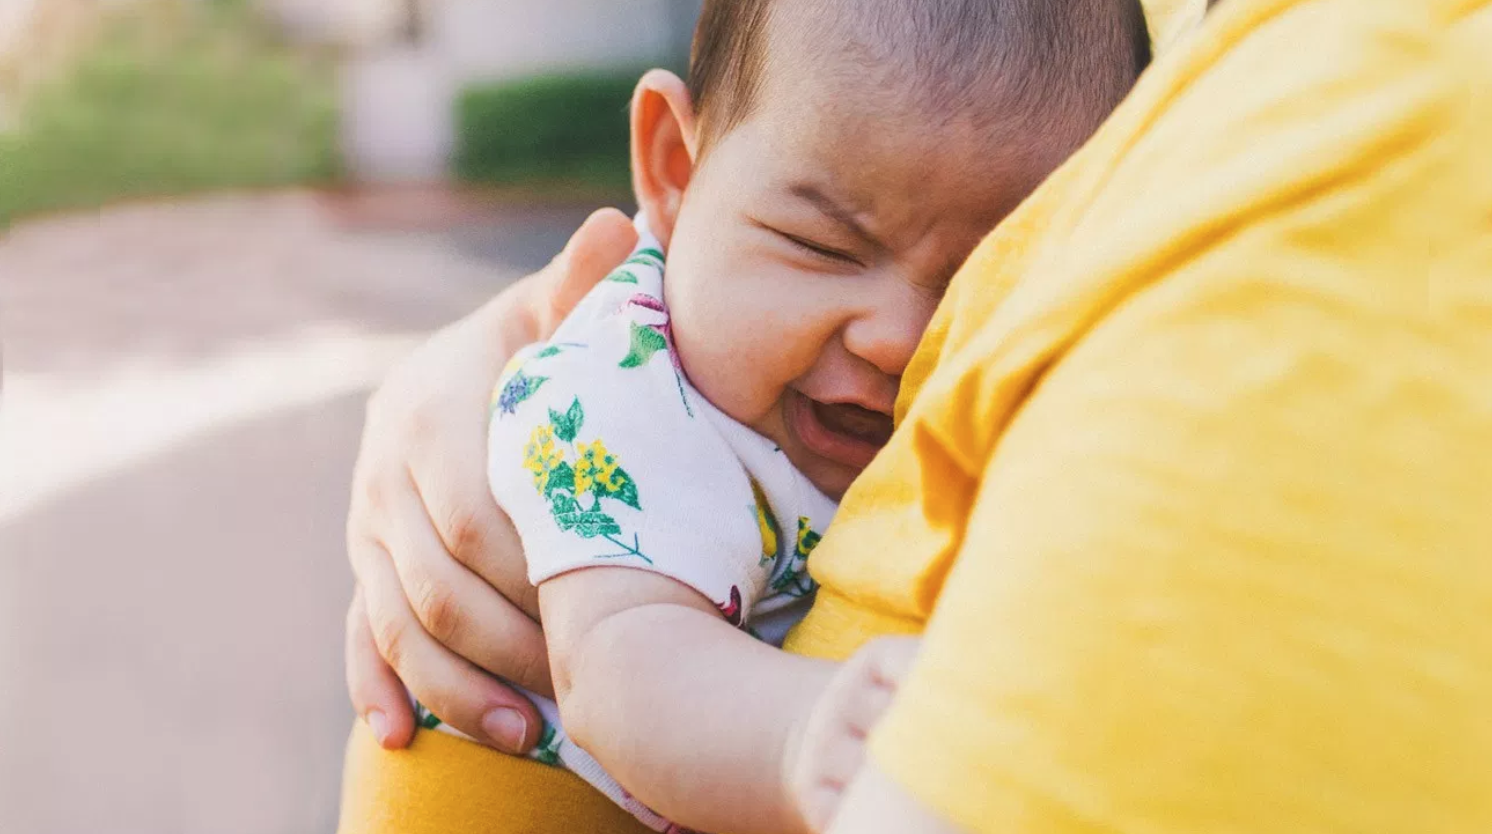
379	724
506	728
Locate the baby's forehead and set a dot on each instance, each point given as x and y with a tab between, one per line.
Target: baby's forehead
829	155
829	111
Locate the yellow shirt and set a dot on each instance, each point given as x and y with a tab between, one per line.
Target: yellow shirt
1170	20
1202	433
1194	476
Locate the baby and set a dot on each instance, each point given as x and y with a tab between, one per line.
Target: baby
674	453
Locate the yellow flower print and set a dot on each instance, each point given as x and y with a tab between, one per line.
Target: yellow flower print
807	539
541	455
563	480
767	522
596	466
792	576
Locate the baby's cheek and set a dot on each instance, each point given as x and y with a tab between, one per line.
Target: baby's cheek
747	326
733	352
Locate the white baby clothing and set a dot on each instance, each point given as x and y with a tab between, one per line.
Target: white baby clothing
603	453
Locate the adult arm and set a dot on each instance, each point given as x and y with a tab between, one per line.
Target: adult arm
443	599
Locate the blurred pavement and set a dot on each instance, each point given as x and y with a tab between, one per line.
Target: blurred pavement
182	398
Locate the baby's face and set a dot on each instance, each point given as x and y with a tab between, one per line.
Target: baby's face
811	247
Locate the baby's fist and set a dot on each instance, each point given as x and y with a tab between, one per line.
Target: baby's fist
832	746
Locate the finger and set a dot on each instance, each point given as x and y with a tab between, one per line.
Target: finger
863	703
876	673
839	756
892	658
457	608
377	695
501	563
599	246
474	530
836	738
819	805
458	692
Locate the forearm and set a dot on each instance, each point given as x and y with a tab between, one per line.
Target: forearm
700	730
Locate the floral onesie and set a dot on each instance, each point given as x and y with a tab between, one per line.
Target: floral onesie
603	454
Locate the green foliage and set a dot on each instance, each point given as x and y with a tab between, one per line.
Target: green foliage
645	342
568	425
176	99
550	130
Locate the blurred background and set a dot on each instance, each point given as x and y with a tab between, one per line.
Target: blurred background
220	222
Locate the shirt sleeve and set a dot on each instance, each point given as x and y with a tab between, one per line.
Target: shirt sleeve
603	455
1227	567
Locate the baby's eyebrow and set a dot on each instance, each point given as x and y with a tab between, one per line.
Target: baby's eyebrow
836	212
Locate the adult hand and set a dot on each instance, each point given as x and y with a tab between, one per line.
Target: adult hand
443	598
826	755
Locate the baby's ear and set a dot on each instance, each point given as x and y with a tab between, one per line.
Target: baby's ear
664	148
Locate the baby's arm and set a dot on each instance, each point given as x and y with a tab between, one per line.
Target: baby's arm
689	714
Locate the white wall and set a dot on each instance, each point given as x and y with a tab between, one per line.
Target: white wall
397	116
356	23
13	14
506	38
399	99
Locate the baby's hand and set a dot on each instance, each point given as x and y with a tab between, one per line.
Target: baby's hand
831	748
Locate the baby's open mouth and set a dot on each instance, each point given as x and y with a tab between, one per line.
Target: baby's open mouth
845	433
854	421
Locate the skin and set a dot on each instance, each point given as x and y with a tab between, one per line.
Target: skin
440	601
817	276
875	804
848	267
798	288
832	750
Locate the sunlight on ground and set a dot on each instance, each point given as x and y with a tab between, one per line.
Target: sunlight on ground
57	434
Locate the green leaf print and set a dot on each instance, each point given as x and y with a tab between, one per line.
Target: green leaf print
565	476
645	342
622	276
588	524
793	578
623	489
561	477
576	414
650	257
563	505
567	425
808	539
547	751
427	719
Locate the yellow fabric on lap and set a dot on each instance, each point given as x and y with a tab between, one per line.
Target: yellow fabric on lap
445	785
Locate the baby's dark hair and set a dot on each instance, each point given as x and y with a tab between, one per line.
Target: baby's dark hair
1060	65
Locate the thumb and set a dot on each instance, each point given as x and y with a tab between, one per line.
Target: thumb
599	246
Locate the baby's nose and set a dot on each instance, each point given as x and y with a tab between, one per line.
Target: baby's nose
887	333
